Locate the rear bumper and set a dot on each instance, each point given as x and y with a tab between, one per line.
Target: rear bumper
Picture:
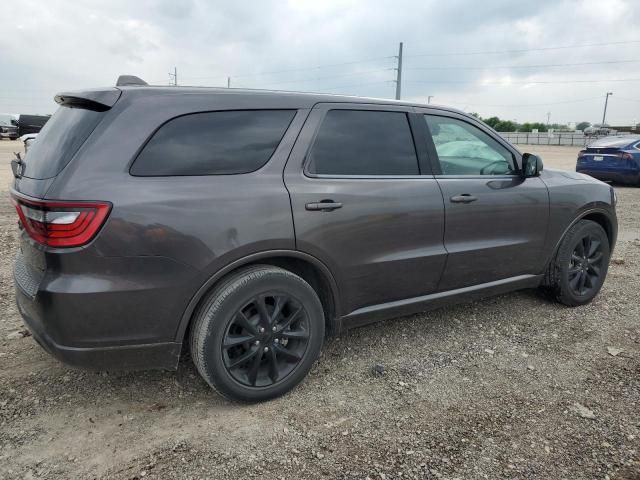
125	357
85	325
621	176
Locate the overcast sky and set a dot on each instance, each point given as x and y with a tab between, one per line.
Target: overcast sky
477	56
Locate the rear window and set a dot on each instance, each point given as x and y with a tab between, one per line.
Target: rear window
363	142
613	142
58	141
213	143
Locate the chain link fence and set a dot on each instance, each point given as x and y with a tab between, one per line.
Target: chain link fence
578	139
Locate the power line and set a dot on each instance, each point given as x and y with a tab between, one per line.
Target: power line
291	70
533	104
524	50
303	80
548	65
530	82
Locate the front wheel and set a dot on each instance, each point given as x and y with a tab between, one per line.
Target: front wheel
576	274
257	334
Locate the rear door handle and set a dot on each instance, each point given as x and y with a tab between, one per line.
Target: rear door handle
323	206
463	198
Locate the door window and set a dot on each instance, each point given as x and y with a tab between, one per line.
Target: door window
464	149
363	142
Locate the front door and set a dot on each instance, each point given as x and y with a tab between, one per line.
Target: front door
496	221
363	206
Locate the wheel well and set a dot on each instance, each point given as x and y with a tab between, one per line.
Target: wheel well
305	270
314	277
602	220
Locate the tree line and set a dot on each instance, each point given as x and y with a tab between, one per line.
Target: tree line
500	125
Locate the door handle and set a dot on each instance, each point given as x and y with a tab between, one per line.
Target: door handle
463	198
323	206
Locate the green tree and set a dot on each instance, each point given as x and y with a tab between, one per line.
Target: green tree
582	125
491	121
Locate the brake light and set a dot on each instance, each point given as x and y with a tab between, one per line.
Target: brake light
627	156
61	224
582	153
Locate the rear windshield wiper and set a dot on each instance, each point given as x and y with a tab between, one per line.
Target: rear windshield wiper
17	165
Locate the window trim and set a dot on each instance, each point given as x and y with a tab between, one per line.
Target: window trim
296	112
321	109
516	156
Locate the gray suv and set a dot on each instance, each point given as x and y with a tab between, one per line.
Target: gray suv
245	226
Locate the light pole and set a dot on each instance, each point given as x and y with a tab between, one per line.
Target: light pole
429	99
606	100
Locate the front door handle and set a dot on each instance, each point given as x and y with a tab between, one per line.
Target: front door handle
463	198
323	206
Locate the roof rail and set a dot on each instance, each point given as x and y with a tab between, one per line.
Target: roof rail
128	80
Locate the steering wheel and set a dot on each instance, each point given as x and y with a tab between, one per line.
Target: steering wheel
492	164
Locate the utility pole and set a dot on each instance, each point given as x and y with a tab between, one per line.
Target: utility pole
399	74
174	76
429	99
548	118
606	100
228	82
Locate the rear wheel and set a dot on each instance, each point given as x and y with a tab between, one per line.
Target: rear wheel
576	274
258	334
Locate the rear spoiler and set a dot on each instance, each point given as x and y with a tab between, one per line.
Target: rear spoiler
98	100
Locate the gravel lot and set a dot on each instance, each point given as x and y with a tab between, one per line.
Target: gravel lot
511	387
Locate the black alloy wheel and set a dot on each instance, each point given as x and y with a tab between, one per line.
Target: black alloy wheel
258	333
266	340
585	265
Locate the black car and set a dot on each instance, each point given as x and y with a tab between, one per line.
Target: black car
248	224
31	123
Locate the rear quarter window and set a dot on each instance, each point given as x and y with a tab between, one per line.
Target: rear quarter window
213	143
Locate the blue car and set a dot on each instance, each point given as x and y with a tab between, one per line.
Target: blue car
614	159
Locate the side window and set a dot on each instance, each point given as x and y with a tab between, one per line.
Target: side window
464	149
213	143
363	142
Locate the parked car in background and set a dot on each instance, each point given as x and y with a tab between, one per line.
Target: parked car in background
27	140
612	159
8	126
246	225
31	123
598	130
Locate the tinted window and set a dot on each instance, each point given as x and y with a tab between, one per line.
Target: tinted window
464	149
59	140
213	143
359	142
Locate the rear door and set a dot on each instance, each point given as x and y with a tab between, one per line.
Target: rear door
365	205
496	221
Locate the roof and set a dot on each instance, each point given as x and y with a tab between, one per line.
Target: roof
304	97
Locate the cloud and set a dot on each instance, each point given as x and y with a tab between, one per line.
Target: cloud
60	45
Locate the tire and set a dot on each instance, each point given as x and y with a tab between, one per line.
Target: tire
577	272
237	347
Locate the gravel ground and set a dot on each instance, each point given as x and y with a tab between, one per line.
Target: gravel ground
510	387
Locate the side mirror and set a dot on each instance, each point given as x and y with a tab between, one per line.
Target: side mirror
531	165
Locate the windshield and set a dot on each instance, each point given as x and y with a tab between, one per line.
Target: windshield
58	141
5	120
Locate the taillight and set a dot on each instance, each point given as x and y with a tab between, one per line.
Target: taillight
61	224
627	156
581	153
